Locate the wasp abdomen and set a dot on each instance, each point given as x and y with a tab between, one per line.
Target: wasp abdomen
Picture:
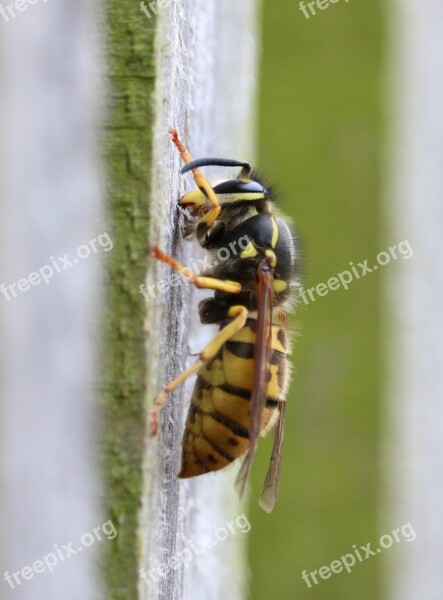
217	425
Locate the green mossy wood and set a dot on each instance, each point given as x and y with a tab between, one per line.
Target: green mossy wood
128	136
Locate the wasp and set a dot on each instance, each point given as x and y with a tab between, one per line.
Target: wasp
243	374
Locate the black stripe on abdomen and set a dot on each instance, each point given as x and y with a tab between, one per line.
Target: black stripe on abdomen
232	425
241	349
232	390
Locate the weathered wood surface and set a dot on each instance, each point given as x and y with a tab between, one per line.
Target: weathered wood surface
205	89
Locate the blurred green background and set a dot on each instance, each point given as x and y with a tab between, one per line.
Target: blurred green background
321	141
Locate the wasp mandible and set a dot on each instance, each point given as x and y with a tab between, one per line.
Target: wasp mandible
243	374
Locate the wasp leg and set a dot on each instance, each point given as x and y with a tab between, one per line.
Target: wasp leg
210	283
239	315
201	182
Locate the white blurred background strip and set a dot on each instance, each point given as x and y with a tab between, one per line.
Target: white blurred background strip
49	207
415	434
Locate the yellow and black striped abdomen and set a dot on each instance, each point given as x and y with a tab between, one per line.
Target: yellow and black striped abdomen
216	431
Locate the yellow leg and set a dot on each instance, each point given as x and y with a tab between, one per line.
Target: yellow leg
200	180
239	315
210	283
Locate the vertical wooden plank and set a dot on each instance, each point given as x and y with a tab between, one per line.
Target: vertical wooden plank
206	49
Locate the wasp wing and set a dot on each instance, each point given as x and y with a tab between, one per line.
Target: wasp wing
270	487
269	492
262	357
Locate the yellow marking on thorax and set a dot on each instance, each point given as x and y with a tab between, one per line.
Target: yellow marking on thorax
272	258
250	251
274	233
280	285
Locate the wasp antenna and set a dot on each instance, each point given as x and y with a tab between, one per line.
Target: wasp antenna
215	162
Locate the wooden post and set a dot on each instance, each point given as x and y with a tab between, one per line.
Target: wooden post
205	88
